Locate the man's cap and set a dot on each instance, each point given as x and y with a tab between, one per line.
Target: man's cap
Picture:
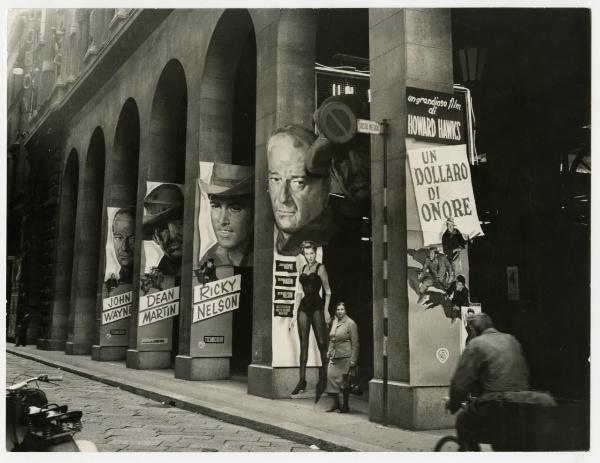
163	203
229	180
433	248
450	220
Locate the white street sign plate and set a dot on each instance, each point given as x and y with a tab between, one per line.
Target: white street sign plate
366	126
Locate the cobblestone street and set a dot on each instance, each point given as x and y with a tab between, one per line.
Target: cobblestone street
116	420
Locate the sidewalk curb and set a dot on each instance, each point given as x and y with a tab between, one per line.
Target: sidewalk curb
286	430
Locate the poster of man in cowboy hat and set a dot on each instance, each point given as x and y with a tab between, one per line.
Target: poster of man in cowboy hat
163	236
226	215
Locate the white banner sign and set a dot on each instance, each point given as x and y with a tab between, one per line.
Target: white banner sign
117	301
154	300
216	298
442	181
157	314
217	288
214	307
118	313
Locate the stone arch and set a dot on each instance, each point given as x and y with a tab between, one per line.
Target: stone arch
87	262
59	316
227	132
121	181
163	160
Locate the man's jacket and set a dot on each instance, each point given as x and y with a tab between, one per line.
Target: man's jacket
492	366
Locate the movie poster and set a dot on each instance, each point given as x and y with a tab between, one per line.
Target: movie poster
223	244
118	275
320	197
441	220
160	277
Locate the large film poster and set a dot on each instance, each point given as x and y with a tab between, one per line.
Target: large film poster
441	219
161	265
223	243
118	273
320	198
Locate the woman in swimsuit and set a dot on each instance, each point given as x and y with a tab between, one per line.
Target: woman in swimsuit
313	311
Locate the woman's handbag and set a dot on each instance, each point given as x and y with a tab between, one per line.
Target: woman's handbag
354	384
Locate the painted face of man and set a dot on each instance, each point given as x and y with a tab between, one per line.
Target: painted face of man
352	171
296	198
232	220
124	238
170	238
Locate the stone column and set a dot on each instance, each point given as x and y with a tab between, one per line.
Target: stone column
408	47
96	34
60	55
46	50
285	94
73	34
83	38
58	329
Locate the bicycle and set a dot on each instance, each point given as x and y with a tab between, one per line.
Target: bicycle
34	425
533	427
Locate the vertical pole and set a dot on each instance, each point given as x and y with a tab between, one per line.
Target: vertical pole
385	277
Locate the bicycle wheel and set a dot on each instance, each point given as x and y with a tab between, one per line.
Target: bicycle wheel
448	444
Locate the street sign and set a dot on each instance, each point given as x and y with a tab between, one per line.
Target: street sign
372	127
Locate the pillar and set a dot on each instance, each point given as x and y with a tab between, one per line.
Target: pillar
408	47
285	94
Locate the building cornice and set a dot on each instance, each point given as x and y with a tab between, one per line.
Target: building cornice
134	31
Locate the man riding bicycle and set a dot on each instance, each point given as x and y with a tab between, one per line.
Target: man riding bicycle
491	371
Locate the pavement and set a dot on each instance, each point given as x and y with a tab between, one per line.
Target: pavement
120	421
289	421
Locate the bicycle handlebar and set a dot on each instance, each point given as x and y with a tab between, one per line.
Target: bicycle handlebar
43	378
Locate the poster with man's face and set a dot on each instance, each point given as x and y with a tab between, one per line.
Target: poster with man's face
225	215
160	277
223	244
118	275
319	192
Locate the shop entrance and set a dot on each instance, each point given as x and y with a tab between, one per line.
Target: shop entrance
229	103
112	331
84	292
162	214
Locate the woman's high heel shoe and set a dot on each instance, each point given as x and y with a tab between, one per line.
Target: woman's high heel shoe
300	387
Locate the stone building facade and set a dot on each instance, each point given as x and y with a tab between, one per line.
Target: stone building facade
101	101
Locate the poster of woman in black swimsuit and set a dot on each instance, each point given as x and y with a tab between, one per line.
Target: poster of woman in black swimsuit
313	298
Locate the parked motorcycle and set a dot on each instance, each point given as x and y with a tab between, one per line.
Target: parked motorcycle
34	425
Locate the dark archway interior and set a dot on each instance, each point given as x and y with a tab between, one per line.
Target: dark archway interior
125	157
64	262
86	276
343	40
342	31
244	105
166	156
